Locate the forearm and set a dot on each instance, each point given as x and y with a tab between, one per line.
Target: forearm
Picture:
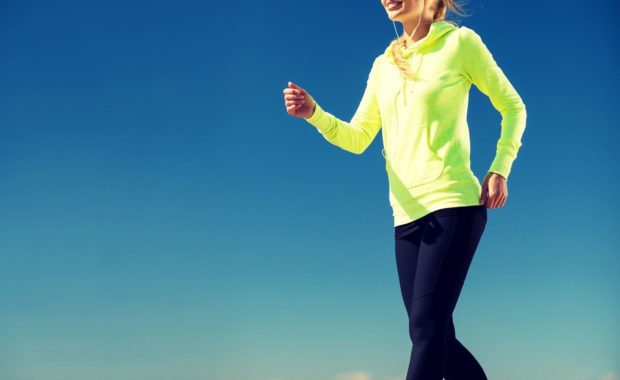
354	136
513	126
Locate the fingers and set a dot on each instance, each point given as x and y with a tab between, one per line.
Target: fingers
502	200
292	91
484	199
492	199
294	98
496	199
291	110
494	192
293	104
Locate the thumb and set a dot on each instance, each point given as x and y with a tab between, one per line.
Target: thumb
483	195
293	85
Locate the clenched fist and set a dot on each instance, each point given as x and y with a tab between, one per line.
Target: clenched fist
298	102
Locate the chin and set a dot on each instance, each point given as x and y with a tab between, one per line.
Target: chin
394	17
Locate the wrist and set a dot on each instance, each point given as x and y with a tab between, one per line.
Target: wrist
313	110
496	173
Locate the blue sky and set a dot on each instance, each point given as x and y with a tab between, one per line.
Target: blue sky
163	217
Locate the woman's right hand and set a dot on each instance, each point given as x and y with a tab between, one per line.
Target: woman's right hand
298	102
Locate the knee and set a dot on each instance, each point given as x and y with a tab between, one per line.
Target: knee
427	324
428	331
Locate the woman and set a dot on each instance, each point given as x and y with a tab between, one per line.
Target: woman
417	93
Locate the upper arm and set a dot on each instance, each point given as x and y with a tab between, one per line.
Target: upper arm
367	116
480	67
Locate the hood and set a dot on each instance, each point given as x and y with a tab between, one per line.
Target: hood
436	31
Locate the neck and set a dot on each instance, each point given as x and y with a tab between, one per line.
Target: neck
421	32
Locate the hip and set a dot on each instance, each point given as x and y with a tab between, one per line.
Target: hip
464	212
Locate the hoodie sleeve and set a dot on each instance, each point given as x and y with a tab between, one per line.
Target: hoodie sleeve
354	136
481	69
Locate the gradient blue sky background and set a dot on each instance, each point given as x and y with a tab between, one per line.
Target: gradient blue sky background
163	217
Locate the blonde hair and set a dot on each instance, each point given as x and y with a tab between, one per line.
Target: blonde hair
397	45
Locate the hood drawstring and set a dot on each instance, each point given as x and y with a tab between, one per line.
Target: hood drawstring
414	51
415	75
437	29
403	92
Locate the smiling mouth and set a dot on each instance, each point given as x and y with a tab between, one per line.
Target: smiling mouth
393	5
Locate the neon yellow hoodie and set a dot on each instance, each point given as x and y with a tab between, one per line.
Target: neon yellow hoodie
425	132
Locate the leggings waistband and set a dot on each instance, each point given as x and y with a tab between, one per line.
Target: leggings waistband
448	211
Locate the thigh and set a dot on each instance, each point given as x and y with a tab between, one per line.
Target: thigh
447	245
407	240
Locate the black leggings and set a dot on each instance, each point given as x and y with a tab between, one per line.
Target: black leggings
433	255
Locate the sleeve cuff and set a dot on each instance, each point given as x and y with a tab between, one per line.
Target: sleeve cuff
502	165
312	119
319	119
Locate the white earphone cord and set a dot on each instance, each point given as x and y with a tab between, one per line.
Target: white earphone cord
412	33
397	36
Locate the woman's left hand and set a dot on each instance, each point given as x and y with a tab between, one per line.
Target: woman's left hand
495	185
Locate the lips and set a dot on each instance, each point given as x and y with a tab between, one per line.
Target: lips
393	5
